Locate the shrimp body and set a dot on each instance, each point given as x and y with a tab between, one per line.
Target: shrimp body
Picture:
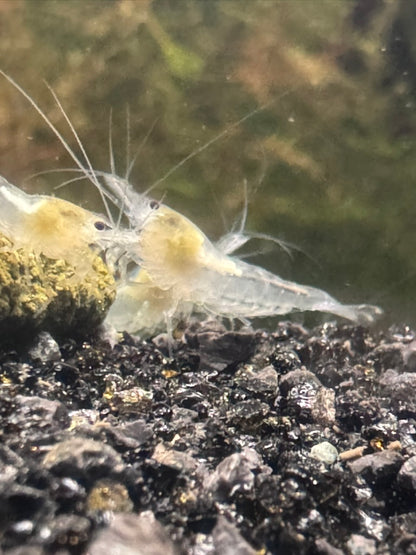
255	292
174	256
181	270
54	227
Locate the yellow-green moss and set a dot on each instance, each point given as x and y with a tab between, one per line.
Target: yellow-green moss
37	292
107	495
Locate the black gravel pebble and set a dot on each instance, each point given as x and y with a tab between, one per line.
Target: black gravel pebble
229	447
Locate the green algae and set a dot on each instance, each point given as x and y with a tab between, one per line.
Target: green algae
41	293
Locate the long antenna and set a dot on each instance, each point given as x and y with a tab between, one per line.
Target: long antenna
216	138
89	174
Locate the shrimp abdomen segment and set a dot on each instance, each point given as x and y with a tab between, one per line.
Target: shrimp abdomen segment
257	292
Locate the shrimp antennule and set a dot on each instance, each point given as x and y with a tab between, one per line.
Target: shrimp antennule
89	173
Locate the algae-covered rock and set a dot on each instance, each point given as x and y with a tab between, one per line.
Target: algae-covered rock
37	292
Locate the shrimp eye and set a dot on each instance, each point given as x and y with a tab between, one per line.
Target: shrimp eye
154	205
101	226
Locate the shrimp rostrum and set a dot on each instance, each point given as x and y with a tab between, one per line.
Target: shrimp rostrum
179	270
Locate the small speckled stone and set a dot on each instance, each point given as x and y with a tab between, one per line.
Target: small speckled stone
67	532
360	545
378	468
228	540
263	381
219	349
34	414
407	475
45	348
174	459
324	452
130	534
85	459
235	472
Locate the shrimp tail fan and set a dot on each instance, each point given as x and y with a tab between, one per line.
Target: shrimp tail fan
363	313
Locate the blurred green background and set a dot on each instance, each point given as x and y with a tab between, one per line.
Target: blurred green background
330	163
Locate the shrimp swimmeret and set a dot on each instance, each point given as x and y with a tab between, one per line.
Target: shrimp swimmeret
177	269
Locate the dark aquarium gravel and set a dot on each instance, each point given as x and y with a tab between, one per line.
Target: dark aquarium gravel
244	442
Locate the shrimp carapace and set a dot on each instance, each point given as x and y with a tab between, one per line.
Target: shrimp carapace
54	227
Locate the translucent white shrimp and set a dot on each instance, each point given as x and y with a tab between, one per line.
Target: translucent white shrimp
180	270
57	228
177	269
